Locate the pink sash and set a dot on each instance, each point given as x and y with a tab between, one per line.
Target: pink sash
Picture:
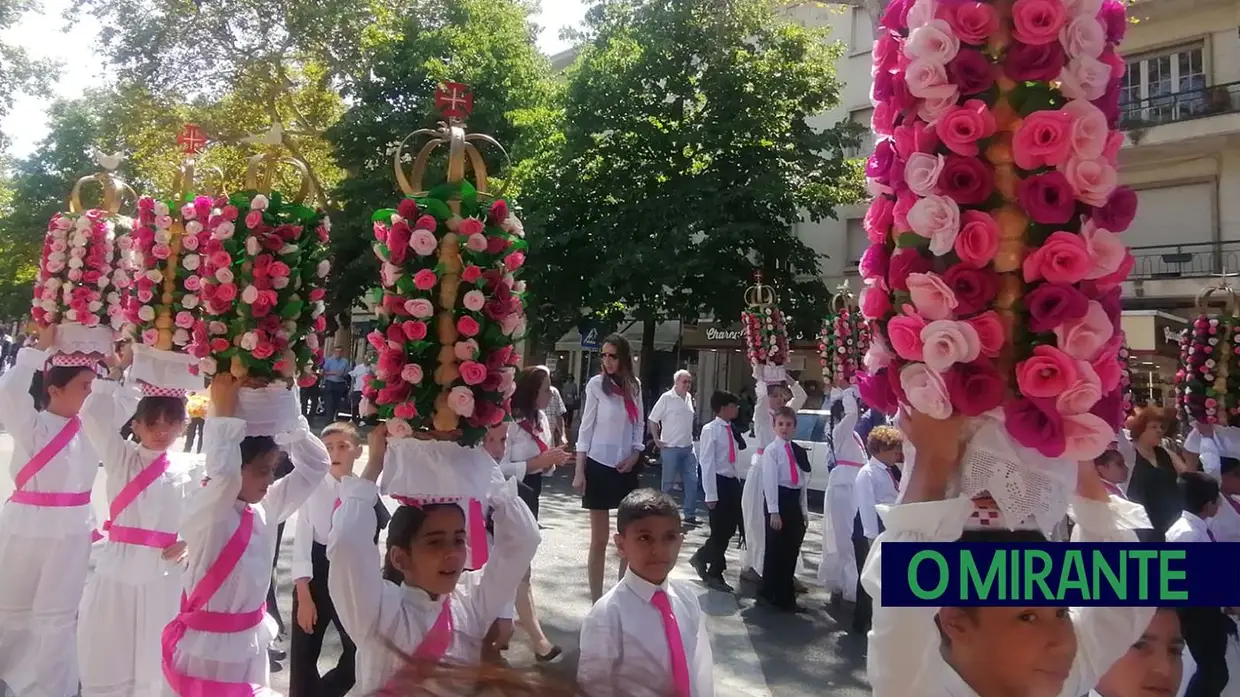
630	408
128	494
476	526
1114	489
195	616
432	649
529	428
1234	506
36	464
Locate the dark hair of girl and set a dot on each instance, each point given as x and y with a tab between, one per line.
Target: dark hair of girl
254	447
53	376
152	410
402	529
525	398
623	381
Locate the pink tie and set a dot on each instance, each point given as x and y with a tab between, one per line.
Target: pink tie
676	647
1210	534
731	443
792	465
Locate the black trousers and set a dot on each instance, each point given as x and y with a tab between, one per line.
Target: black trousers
1205	631
337	396
783	549
725	520
305	647
864	611
194	432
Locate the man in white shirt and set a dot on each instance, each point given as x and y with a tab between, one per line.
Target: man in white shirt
1205	628
1208	443
877	483
359	374
671	424
1226	523
720	481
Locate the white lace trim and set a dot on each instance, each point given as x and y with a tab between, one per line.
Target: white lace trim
1031	490
166	369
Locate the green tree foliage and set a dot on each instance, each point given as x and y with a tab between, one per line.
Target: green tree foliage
18	73
487	44
690	151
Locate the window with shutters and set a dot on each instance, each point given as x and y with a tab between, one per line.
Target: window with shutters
1164	86
857	243
863	117
861	38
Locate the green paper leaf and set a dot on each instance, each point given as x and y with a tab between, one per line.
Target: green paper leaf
437	208
911	239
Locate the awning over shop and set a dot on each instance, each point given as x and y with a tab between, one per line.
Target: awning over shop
1153	332
666	336
720	336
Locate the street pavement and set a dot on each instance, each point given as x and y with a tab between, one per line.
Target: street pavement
758	652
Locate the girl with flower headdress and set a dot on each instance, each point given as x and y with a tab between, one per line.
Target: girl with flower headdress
423	603
610	440
137	579
45	526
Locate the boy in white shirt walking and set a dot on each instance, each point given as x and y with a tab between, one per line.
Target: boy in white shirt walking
877	483
646	637
1205	628
720	471
785	472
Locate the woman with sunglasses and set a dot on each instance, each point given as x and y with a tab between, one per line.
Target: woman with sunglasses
610	440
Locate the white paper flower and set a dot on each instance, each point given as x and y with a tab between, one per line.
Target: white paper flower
248	341
224	275
259	203
154	276
193	227
146	313
279	282
161	208
251	246
180	337
323	267
191	261
189	301
207	366
249	295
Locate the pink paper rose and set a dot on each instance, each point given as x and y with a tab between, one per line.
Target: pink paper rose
1083	36
184	319
990	334
874	303
921	172
878	219
932	297
1092	180
1035	424
937	218
1084	338
474	301
469	226
925	391
253	219
927	80
1082	394
413	330
933	42
1085	78
473	372
1046	374
405	410
1038	22
904	333
423	243
903	263
961	127
461	401
1086	437
425	279
1105	249
875	390
975	387
978	240
1062	258
877	356
1044	139
973	22
419	307
946	342
1089	132
465	350
467	326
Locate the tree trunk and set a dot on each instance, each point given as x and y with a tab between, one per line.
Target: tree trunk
646	366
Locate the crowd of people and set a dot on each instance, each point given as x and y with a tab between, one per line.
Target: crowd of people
179	601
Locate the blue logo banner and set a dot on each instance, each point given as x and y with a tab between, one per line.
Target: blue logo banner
1047	574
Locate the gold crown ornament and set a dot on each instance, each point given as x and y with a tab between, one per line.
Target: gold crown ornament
264	266
450	306
766	337
844	338
83	272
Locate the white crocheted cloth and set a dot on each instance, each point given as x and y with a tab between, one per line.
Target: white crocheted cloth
435	471
269	411
166	369
73	338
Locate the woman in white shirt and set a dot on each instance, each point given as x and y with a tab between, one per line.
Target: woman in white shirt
531	454
610	440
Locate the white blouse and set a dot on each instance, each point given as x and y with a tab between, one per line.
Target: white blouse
314	522
714	447
847	444
160	507
606	434
375	612
874	486
775	474
521	447
909	638
71	471
214	514
624	648
763	415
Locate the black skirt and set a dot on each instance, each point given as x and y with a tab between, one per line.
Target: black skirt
606	487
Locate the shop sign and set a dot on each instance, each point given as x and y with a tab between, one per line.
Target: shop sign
716	334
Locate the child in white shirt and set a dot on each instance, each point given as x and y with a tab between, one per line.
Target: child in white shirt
785	473
720	482
878	483
771	396
987	651
1153	664
423	603
646	637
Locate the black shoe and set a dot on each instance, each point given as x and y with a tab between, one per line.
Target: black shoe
751	576
275	665
717	583
550	656
277	654
799	587
691	521
700	567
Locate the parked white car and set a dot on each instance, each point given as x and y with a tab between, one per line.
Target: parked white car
813	426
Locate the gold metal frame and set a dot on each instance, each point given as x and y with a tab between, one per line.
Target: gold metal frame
460	149
759	295
115	192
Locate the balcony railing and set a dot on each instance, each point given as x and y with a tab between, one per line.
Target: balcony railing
1183	106
1172	261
